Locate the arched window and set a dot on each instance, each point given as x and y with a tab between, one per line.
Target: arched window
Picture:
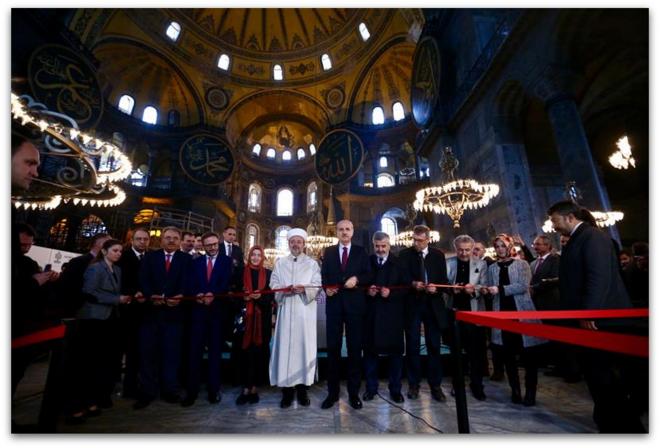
312	198
312	149
256	149
277	72
126	104
150	115
326	62
364	32
377	115
285	202
301	153
223	62
254	198
286	155
383	162
173	31
398	112
388	225
173	118
270	153
384	180
251	236
58	234
281	241
89	227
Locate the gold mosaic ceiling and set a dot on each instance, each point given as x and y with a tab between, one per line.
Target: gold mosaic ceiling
137	58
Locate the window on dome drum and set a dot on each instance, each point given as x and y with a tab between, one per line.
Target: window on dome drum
326	62
150	115
301	153
277	72
286	155
312	149
138	178
285	202
254	198
364	32
384	180
398	112
126	104
388	225
270	153
312	190
89	227
377	115
383	162
252	236
256	149
223	62
173	118
281	242
173	31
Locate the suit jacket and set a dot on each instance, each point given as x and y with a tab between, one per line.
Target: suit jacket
70	284
220	276
104	287
237	265
385	316
589	277
347	301
436	272
155	280
130	268
478	270
546	293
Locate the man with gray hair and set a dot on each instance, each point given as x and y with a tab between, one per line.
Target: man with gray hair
384	324
469	272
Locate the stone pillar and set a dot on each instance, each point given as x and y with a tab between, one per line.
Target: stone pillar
575	157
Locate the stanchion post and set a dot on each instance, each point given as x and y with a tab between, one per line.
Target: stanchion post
458	379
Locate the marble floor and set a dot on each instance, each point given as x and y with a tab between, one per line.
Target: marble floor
561	408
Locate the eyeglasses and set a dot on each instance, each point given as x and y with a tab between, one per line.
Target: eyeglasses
211	245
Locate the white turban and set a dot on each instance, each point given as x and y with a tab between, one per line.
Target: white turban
297	232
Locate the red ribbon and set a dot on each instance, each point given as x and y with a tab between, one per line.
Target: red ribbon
47	334
603	340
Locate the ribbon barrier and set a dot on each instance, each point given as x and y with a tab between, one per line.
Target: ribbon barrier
627	344
40	336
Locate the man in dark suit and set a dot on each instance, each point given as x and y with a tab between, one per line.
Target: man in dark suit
589	279
162	280
545	275
383	332
234	252
425	304
209	275
131	315
70	295
345	266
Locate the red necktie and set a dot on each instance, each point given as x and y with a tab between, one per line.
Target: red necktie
167	262
344	258
209	269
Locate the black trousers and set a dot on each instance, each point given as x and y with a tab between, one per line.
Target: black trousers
513	347
335	324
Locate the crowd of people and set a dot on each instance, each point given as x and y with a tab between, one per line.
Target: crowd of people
147	317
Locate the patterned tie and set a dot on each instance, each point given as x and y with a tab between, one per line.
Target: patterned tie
229	250
380	261
209	269
344	258
539	262
168	258
422	268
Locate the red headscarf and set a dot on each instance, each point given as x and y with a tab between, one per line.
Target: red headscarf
253	324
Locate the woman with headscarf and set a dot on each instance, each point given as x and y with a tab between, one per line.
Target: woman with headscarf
508	282
253	335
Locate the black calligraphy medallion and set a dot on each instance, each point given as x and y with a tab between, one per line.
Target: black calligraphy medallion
425	81
65	82
206	159
339	156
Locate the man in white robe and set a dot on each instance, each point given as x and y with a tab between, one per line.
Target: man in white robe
293	357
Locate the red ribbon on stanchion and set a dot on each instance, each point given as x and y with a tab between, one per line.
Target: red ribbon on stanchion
603	340
37	337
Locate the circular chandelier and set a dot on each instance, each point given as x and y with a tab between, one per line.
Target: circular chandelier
83	167
457	195
406	238
316	244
